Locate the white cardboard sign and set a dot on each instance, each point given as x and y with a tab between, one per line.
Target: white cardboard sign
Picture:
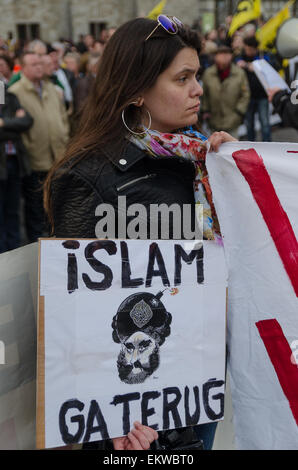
133	330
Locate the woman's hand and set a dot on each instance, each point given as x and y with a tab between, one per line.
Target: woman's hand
218	138
20	113
138	438
271	92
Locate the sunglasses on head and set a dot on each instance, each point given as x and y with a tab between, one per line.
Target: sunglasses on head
170	24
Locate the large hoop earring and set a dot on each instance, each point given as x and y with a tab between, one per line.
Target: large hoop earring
133	132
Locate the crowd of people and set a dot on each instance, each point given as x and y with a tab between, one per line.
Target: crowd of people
46	86
45	89
57	94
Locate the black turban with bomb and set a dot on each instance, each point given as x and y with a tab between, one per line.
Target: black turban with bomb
142	312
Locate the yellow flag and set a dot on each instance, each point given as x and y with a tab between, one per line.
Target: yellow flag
157	10
247	10
267	34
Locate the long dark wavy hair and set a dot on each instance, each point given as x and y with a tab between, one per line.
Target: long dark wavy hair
129	66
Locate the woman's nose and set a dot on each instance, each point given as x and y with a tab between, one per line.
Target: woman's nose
197	89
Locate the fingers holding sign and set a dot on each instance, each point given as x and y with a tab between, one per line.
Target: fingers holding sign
218	138
271	92
138	438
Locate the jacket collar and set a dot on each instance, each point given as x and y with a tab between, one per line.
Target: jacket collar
27	83
214	70
30	87
130	155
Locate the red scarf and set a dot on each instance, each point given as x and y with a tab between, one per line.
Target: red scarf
223	74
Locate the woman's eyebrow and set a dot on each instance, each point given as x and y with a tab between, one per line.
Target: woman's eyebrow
188	70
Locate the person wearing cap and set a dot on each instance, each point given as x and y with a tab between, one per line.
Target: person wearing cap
141	326
226	93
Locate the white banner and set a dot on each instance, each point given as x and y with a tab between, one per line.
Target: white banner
255	191
134	330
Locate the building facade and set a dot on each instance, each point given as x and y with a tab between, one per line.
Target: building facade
53	19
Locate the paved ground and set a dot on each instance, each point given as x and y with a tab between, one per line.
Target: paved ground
284	135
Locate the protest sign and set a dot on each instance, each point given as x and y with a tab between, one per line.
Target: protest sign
254	188
128	330
268	76
18	302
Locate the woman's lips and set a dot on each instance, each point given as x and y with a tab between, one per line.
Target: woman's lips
195	108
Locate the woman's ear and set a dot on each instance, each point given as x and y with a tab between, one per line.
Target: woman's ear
140	101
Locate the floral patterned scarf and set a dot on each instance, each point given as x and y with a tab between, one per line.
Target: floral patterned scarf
190	144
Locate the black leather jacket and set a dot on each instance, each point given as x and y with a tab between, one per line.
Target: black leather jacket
101	177
287	110
11	131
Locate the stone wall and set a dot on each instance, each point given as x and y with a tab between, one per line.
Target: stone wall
112	12
7	17
116	12
187	10
50	15
72	17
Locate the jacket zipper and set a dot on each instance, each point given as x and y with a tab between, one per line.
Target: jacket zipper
135	181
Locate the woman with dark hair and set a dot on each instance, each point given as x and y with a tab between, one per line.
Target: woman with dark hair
137	138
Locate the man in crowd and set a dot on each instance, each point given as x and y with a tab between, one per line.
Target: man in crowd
84	84
226	93
14	166
45	141
64	76
36	47
48	74
259	99
88	42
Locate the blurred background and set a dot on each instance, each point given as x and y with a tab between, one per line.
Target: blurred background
31	19
55	47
